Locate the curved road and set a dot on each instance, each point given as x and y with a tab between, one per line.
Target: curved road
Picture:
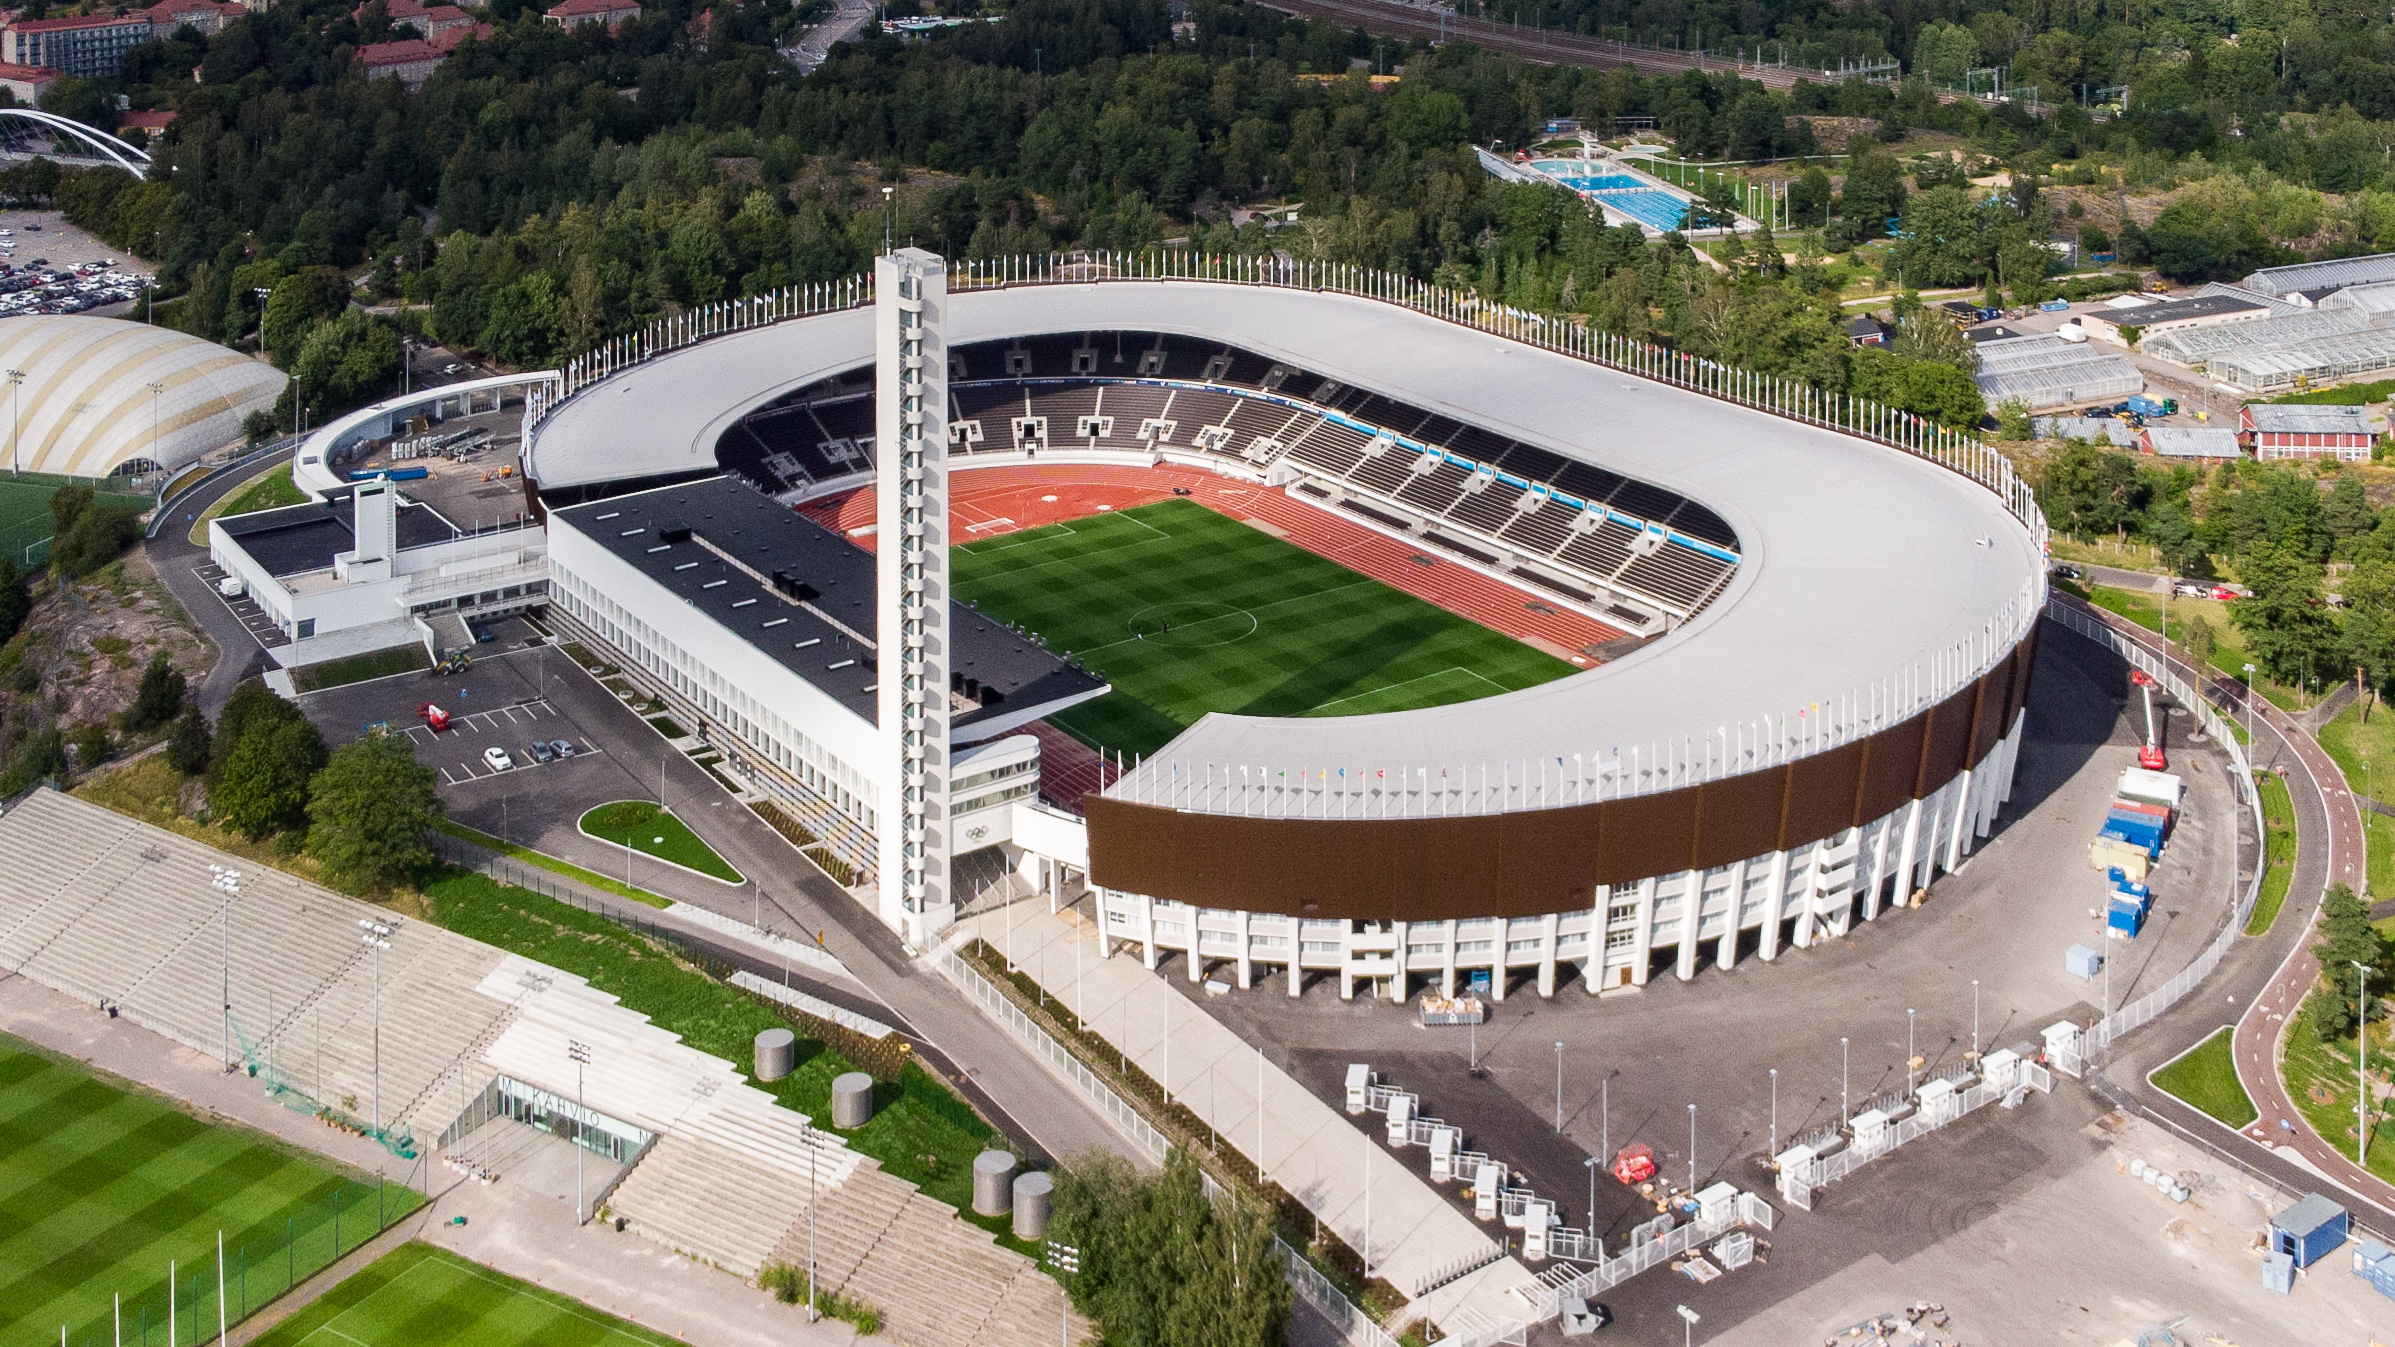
238	654
2325	806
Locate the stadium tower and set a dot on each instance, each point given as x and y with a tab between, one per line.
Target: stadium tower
911	583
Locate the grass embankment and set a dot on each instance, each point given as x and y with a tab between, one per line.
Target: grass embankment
2358	745
642	826
2320	1079
920	1131
2206	1080
270	489
102	1184
426	1297
2351	395
2278	855
2228	654
334	673
554	865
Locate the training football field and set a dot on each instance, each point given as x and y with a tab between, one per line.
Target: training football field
1187	611
100	1188
420	1296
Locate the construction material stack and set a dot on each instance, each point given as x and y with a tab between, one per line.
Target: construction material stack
2137	825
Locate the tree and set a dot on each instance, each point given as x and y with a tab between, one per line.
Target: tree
2286	620
68	504
1162	1265
2346	938
2088	492
16	602
2199	638
252	706
98	535
261	787
159	698
1809	197
370	811
187	748
91	744
1873	193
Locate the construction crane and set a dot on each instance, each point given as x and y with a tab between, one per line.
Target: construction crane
2149	754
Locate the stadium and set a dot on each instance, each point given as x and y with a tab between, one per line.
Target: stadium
1321	625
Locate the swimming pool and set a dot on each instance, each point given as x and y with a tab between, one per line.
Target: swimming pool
1656	210
1608	182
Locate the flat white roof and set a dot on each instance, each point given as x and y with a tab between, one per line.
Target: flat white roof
1872	582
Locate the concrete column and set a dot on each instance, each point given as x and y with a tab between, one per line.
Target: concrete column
1447	961
1725	955
1643	953
1101	906
1147	932
1297	973
1806	875
1195	961
1546	955
1908	851
1692	905
1961	831
1775	896
1247	961
1592	969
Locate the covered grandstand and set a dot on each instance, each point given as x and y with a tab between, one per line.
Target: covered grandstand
101	397
1761	777
2046	371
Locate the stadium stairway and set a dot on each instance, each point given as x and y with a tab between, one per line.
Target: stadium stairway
707	1201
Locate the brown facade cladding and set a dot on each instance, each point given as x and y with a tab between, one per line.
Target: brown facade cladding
1533	862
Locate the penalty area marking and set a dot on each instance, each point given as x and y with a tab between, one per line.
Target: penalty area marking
515	1291
1493	686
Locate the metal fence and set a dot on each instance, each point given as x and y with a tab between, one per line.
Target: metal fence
1648	1250
1797	1181
2075	617
1305	1280
249	1268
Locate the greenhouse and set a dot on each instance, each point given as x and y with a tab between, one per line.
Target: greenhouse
2047	371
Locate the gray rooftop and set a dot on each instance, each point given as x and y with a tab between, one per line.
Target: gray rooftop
2305	419
1866	570
297	539
2182	310
2193	441
2308	1215
810	595
2315	275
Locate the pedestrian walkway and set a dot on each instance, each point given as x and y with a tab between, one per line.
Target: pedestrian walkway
1339	1170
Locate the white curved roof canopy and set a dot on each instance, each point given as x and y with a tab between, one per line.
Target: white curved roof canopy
85	404
1872	584
82	142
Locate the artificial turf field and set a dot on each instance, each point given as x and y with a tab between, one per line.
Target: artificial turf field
100	1187
1187	611
420	1296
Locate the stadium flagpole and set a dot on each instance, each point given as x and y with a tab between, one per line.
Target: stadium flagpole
220	1288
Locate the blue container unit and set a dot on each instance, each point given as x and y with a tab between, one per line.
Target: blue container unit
2082	962
2137	830
2308	1231
2375	1263
2124	916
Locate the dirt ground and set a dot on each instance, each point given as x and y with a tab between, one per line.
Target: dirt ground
84	648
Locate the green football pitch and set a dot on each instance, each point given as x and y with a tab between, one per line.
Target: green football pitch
101	1187
25	512
1187	611
420	1296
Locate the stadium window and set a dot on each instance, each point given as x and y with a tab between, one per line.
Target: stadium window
1474	946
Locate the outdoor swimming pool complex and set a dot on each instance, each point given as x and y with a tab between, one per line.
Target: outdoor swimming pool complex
1632	196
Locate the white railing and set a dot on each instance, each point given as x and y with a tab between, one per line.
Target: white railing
2153	1003
1645	1250
1353	1325
1365	790
1798	1181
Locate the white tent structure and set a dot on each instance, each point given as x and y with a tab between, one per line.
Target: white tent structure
94	397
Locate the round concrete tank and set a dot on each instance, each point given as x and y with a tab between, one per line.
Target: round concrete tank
852	1100
993	1182
1032	1193
777	1053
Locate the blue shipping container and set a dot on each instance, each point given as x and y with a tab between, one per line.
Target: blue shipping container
2128	922
2309	1230
2131	818
2141	839
409	474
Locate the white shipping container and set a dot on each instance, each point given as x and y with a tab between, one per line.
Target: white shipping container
2162	788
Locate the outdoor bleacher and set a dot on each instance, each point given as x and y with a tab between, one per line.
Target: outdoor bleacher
1455	487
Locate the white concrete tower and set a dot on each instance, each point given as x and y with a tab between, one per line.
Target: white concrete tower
910	326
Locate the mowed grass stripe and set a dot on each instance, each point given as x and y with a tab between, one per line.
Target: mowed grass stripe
100	1187
1258	626
420	1296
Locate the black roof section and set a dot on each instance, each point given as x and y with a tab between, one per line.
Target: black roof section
804	595
297	539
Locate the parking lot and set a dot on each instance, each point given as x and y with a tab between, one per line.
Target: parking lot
245	610
527	734
46	255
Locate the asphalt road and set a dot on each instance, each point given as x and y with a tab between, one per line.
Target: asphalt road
2264	981
239	656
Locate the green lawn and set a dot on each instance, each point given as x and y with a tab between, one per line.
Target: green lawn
920	1132
2278	816
2320	1079
271	491
100	1187
2206	1079
335	673
420	1296
2358	748
644	827
1186	611
25	511
2228	656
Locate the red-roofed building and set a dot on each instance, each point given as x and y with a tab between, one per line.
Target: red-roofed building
430	20
92	46
453	36
150	121
411	62
206	16
576	13
27	81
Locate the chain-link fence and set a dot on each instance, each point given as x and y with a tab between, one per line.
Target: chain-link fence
206	1288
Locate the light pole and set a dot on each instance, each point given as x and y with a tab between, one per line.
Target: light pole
1559	1089
2249	703
2361	1070
1690	1318
16	382
1775	1110
1590	1164
155	389
261	292
377	937
407	346
228	883
1975	1019
1843	1060
580	1052
806	1133
1910	1056
1692	1150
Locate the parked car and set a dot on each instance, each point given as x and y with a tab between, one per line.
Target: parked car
2225	594
2063	570
482	636
230	587
563	748
2189	589
496	759
541	752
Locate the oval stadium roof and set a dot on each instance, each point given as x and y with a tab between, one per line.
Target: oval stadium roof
84	407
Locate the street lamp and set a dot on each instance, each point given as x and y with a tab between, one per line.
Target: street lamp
1975	1019
228	883
1559	1089
2361	1069
1691	1317
1692	1150
155	389
1590	1164
16	382
580	1052
377	937
1775	1110
1910	1057
261	292
1842	1097
2249	703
